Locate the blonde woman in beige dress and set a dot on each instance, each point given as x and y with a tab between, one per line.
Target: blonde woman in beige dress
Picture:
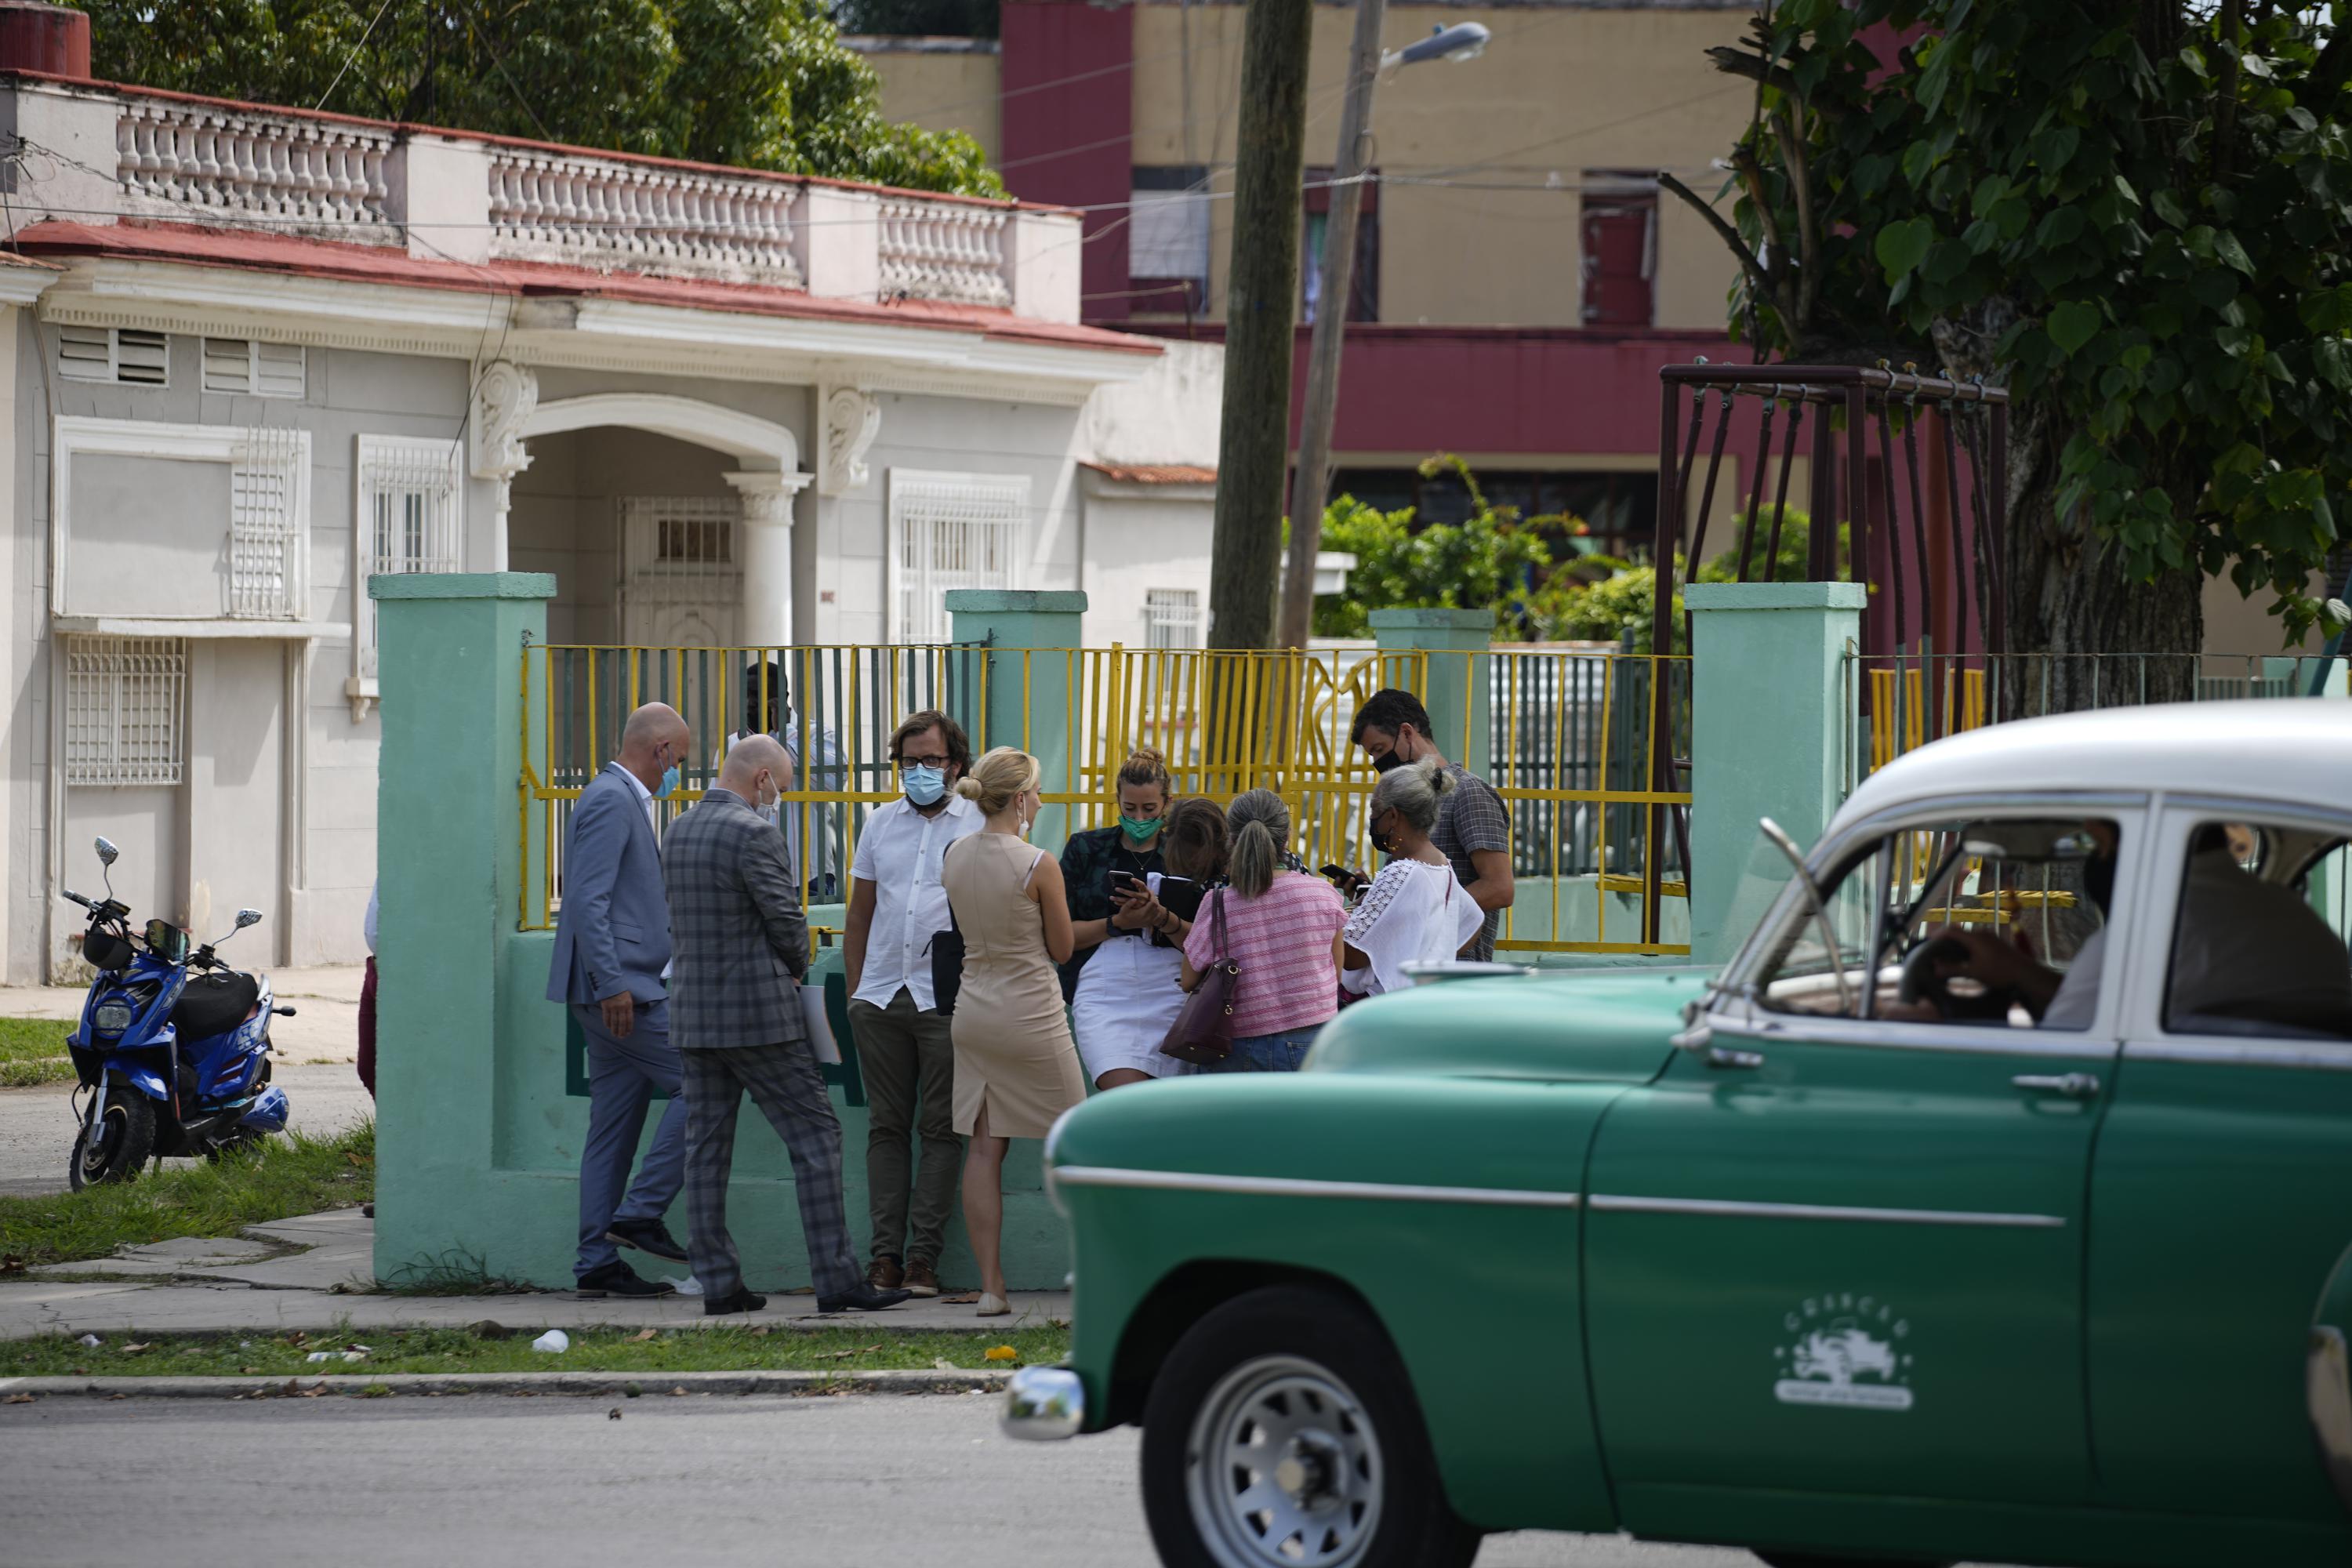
1015	1066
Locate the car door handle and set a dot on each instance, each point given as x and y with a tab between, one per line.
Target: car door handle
2073	1085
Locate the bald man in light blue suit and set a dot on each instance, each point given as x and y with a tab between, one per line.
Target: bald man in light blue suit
612	955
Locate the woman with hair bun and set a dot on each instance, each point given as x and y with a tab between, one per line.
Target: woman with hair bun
1281	931
1016	1069
1416	911
1125	993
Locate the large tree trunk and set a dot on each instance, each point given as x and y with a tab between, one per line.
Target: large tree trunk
2086	635
2083	633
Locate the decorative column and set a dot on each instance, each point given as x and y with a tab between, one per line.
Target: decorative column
1768	720
766	555
505	396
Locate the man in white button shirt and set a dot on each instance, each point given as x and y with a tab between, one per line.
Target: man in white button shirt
895	905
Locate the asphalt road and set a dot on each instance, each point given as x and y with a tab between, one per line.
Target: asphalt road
444	1483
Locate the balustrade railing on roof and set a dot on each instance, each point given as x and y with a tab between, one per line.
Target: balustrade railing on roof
606	212
943	250
234	161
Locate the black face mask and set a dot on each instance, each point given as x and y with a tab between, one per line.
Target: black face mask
1381	843
1387	762
2099	882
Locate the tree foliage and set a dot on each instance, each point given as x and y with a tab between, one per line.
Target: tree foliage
763	84
1487	561
2132	213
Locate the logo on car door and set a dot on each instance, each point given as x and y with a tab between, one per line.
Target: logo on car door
1844	1350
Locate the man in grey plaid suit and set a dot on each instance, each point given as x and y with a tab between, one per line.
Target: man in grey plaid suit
741	947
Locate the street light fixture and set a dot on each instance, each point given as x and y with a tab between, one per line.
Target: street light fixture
1462	41
1366	63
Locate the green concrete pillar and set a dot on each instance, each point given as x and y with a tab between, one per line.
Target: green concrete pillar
1454	692
449	866
1767	722
1033	686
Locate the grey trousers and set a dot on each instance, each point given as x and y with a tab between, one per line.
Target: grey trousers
786	1083
909	1063
622	1078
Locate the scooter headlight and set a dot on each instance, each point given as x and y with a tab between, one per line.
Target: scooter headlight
112	1016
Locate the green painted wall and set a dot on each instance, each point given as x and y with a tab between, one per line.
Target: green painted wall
1454	639
1767	696
482	1108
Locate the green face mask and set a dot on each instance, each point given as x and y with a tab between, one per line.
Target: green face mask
1137	828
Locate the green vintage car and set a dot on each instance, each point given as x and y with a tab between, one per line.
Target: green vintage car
1992	1204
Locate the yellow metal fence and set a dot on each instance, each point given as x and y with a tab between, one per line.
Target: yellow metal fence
1565	736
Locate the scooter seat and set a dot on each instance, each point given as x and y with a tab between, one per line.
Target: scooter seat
214	1005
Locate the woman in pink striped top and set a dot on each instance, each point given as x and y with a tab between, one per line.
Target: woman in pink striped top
1282	931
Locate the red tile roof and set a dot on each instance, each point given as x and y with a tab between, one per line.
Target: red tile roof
246	250
1155	473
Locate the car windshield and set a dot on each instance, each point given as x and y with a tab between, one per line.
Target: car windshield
2025	886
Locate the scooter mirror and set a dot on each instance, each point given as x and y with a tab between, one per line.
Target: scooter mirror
107	853
248	918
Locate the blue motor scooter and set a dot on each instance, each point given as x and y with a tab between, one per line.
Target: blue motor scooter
173	1045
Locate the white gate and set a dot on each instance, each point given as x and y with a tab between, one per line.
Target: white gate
681	575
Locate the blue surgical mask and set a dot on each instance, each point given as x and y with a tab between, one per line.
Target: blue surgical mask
924	785
669	781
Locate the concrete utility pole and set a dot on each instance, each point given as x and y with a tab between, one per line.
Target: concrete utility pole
1366	66
1253	439
1312	474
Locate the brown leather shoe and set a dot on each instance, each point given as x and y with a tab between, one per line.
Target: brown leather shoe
922	1278
884	1273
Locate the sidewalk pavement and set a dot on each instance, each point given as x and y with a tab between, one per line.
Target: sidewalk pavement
317	1272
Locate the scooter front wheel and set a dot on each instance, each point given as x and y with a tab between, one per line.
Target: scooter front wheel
120	1147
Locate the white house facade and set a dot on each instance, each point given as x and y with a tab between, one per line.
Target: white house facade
255	354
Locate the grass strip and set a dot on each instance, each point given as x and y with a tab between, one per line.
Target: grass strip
654	1352
275	1179
33	1051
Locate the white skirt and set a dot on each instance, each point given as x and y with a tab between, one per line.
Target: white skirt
1127	1001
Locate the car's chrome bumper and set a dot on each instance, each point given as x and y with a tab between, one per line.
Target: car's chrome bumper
1044	1404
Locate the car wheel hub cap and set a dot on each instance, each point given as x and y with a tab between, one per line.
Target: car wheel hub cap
1283	1468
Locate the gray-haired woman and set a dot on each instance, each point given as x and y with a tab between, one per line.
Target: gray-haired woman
1281	931
1415	911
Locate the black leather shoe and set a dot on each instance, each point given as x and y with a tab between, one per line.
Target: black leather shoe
741	1301
863	1299
620	1280
649	1236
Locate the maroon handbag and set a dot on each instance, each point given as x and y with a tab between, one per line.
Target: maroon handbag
1203	1031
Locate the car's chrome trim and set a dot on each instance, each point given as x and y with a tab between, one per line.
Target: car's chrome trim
1612	1203
1971	1039
1044	1405
2327	1389
1298	1187
2316	1055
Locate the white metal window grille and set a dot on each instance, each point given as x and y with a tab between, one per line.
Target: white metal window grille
251	368
681	586
409	520
125	702
1172	617
114	354
950	531
267	487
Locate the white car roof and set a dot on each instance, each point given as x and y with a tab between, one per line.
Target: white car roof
2297	750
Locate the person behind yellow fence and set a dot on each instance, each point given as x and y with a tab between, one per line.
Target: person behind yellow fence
1016	1068
1126	994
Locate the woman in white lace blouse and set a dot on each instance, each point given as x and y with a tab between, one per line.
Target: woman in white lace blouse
1415	911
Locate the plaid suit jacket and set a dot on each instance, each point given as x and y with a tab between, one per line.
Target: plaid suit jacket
736	928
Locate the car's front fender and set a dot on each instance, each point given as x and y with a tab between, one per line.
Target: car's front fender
1447	1207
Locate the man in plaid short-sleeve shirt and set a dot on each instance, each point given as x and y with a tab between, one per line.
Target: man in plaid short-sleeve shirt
1474	828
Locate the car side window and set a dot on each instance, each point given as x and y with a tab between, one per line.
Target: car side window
2251	954
1981	921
